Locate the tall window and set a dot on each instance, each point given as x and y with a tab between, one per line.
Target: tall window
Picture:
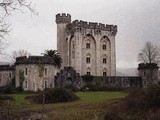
45	71
88	45
26	71
10	75
104	73
88	60
104	60
104	47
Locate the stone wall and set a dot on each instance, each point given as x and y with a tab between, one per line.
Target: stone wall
6	74
35	73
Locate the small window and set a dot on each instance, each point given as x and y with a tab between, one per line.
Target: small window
25	84
73	45
45	71
104	60
88	73
104	73
26	71
104	47
88	60
88	45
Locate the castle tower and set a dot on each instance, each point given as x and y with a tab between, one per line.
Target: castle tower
88	47
62	20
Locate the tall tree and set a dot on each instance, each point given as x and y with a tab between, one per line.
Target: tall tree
6	8
18	53
149	54
55	55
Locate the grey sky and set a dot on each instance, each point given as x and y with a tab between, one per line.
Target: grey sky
138	21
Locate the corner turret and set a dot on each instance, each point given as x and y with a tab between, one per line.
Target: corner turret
63	18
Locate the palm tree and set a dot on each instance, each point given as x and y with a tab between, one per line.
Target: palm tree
55	55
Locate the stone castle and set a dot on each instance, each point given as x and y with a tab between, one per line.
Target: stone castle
87	47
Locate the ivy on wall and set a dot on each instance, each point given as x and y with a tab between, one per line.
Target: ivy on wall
40	69
21	77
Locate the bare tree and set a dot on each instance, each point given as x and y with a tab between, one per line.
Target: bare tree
18	53
6	8
149	54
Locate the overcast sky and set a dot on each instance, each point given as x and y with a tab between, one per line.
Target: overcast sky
138	21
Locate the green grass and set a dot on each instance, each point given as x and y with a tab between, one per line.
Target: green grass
90	106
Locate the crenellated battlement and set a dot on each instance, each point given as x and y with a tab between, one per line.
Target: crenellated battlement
63	18
34	60
91	25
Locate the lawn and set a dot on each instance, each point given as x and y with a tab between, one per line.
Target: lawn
91	106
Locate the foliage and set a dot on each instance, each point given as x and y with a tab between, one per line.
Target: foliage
55	55
141	104
8	89
88	78
149	54
18	53
2	98
55	95
40	69
21	77
71	88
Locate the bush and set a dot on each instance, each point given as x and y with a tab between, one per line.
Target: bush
19	89
55	95
112	116
71	88
8	89
2	98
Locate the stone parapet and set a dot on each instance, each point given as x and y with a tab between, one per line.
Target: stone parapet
91	25
34	60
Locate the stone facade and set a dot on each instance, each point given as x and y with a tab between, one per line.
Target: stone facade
87	47
68	77
35	72
7	74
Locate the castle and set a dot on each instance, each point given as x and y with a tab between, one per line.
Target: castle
87	47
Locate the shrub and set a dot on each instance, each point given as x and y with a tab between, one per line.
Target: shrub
19	89
54	96
2	98
8	89
88	78
112	116
71	88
